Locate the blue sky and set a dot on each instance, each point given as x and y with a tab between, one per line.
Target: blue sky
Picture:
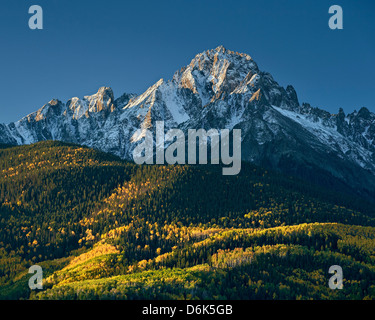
129	45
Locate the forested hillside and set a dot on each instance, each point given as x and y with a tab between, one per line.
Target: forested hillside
103	228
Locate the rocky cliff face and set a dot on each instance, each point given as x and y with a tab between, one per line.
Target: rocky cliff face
218	89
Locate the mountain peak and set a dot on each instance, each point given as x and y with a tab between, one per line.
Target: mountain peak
364	113
219	49
221	52
54	102
105	93
216	73
220	88
103	100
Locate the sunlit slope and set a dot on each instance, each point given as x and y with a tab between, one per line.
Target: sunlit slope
87	216
276	263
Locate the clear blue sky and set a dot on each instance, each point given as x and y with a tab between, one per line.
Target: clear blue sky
129	45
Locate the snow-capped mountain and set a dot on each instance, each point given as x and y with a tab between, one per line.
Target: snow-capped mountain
218	89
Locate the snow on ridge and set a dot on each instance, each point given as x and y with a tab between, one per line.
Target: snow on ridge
24	133
144	96
317	127
330	137
173	104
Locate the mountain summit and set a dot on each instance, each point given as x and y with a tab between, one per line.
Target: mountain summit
219	89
